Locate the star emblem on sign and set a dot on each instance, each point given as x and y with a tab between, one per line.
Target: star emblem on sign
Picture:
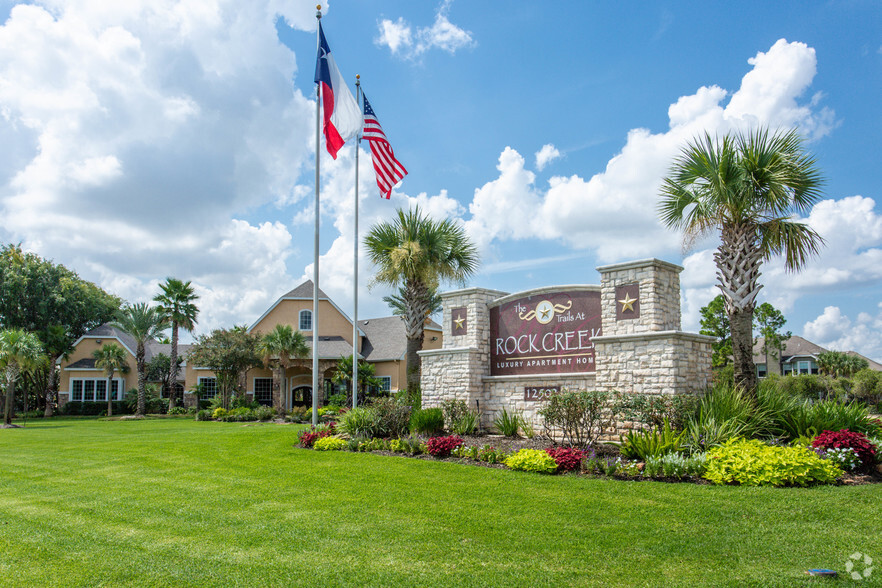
627	303
459	321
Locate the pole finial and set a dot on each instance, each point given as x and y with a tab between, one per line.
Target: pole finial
318	10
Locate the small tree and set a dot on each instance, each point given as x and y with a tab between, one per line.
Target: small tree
278	348
715	323
367	377
144	323
229	353
159	370
19	351
111	358
769	321
581	415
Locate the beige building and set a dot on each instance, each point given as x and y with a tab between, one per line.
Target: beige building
381	342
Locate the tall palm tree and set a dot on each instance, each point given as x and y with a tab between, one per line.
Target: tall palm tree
747	186
19	350
399	308
419	253
279	347
143	323
111	358
177	304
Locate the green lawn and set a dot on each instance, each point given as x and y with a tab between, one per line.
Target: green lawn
177	502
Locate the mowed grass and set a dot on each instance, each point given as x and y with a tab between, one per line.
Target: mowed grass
176	502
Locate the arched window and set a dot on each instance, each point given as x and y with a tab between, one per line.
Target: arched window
305	320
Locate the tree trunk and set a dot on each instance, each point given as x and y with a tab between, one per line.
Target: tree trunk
413	365
142	380
278	376
52	389
110	395
173	377
10	398
742	348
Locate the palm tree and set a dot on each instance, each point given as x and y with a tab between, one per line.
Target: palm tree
176	303
143	323
367	377
111	358
418	253
399	308
19	350
747	186
278	348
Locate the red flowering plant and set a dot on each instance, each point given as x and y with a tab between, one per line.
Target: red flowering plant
308	437
846	439
442	446
568	459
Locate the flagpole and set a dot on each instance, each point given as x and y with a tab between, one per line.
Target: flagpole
315	276
355	265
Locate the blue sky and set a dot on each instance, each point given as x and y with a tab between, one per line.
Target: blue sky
146	139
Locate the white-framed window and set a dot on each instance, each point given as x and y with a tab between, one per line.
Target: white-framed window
761	370
385	384
305	320
805	367
209	387
94	389
263	391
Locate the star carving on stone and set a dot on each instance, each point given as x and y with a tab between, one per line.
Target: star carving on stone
627	303
458	322
545	312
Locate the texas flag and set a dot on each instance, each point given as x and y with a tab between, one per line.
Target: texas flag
342	116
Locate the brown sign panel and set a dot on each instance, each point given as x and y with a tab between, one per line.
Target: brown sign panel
545	333
538	393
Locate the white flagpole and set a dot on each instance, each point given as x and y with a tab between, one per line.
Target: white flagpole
315	276
355	265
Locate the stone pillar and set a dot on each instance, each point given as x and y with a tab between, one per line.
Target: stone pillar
642	349
456	370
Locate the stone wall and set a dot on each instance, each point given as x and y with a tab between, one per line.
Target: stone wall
642	349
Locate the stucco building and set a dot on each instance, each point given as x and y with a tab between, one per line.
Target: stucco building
380	341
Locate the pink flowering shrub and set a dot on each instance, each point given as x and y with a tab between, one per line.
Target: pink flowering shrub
846	439
442	446
568	459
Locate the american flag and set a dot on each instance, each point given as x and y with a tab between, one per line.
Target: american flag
388	169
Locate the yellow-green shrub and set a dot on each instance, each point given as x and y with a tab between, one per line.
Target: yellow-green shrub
330	444
219	413
751	462
532	460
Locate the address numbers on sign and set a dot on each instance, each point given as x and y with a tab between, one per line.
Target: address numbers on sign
535	394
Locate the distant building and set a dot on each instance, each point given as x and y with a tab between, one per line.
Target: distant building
800	356
381	342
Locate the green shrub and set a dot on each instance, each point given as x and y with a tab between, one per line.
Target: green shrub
219	413
802	386
338	400
360	421
203	415
298	414
751	462
468	423
153	404
675	465
241	401
507	423
264	413
94	408
393	416
654	409
178	410
374	445
808	419
646	443
582	416
330	444
427	421
532	460
867	386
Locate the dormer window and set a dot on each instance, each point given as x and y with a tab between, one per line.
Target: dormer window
305	320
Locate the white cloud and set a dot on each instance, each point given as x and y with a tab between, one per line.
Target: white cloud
401	39
117	163
836	331
546	155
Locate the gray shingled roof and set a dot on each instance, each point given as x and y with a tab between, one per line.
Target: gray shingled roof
87	363
795	346
304	290
385	338
151	347
331	347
